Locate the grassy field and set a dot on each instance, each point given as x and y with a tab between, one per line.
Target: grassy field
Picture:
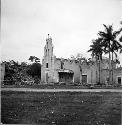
61	108
47	86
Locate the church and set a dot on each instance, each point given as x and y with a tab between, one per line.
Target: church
59	70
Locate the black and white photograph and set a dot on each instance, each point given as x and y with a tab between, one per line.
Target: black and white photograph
61	62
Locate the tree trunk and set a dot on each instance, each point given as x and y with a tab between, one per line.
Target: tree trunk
109	64
112	68
99	70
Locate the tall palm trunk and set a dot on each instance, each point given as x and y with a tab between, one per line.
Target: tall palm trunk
99	70
109	64
112	68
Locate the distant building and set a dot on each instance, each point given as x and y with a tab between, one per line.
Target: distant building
65	70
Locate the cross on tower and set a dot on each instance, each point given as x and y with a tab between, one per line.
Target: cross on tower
48	36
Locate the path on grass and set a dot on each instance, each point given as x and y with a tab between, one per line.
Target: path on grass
60	90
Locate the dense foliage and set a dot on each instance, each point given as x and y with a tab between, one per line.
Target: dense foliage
34	70
21	73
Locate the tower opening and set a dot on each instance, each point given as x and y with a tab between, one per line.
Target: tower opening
46	65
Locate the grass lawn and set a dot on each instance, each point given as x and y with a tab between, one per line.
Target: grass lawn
61	108
47	86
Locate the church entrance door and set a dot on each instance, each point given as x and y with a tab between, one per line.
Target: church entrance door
65	77
84	78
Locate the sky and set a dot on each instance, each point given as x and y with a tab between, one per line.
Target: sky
72	24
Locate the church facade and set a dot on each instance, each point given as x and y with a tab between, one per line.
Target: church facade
58	70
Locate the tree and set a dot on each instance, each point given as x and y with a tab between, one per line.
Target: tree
34	59
37	59
109	43
120	39
97	51
120	50
35	70
114	49
11	70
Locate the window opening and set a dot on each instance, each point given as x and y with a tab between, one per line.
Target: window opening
46	65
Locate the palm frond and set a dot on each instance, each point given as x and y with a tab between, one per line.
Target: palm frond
116	33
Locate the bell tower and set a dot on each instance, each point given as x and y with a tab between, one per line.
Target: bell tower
48	51
48	59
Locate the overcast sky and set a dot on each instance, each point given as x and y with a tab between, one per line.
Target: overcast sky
72	24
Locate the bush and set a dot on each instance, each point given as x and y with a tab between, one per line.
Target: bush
35	70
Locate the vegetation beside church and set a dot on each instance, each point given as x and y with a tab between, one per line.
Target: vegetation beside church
21	73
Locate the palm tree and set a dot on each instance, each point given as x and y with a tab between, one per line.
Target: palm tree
97	51
37	59
114	48
110	44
